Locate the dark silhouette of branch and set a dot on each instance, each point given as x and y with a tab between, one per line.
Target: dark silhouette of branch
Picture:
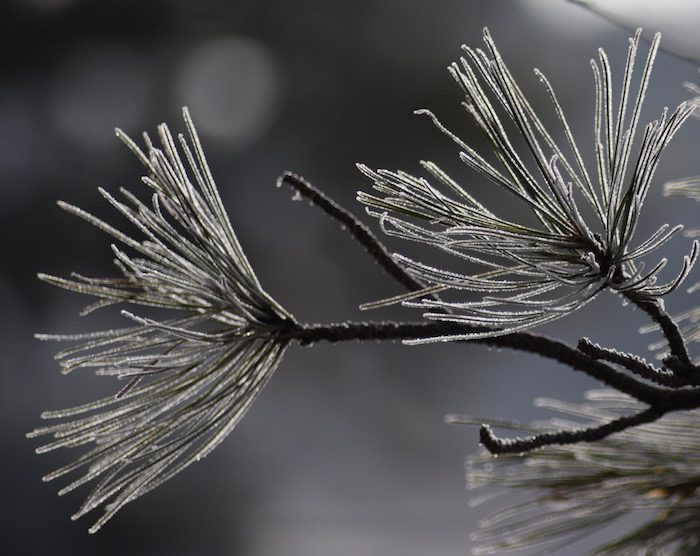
672	333
663	396
362	234
660	397
497	445
632	363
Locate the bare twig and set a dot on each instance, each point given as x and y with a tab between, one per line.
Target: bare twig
632	363
497	445
362	234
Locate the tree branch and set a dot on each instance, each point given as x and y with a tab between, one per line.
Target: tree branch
362	234
662	397
672	333
517	445
632	363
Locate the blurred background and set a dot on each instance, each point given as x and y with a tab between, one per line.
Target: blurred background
346	451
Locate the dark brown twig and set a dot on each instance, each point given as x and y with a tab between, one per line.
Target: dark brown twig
362	234
672	333
497	445
632	363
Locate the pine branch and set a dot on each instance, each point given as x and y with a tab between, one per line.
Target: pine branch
192	375
359	231
661	398
654	309
632	363
498	446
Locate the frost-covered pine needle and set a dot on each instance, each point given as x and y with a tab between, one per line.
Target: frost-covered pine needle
689	187
689	321
189	376
569	492
533	274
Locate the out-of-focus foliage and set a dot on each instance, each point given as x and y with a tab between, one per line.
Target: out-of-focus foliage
569	492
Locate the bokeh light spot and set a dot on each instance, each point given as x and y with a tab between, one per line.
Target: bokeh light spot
231	87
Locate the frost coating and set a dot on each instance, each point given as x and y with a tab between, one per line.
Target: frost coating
534	274
191	377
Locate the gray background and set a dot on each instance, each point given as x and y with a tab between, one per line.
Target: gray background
346	451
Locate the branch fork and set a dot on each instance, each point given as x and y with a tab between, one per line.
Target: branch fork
675	387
